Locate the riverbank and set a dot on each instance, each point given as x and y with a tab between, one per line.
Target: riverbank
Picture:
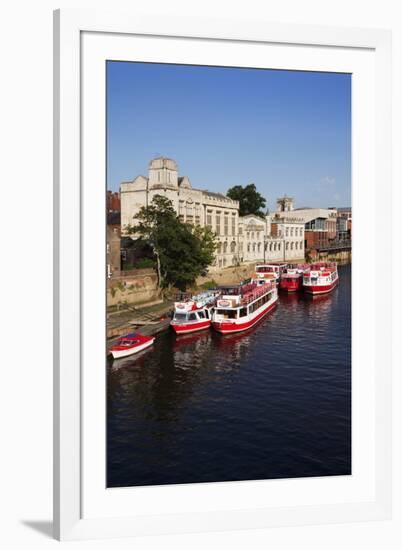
148	320
153	318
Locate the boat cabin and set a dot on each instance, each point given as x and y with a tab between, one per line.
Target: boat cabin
270	270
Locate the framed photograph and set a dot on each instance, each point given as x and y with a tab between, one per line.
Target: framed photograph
220	361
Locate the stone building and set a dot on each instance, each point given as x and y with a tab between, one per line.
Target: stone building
320	225
239	239
284	239
252	238
194	206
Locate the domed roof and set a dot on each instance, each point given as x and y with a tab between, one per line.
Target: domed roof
162	162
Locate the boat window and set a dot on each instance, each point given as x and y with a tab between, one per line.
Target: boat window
128	342
227	313
201	314
192	317
180	316
243	312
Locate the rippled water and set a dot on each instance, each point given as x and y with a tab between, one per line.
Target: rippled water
274	402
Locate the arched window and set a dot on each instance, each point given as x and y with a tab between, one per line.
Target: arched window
296	231
301	245
270	247
291	246
219	249
287	246
253	247
232	247
248	247
225	247
297	245
259	247
279	247
274	247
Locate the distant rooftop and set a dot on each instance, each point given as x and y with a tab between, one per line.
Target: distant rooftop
213	194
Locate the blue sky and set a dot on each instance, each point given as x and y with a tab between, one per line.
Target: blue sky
286	131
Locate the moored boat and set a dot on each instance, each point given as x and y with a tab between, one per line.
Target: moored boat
194	313
270	271
241	307
320	278
130	344
291	279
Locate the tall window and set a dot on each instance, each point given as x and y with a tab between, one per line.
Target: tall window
218	223
209	219
226	222
233	224
232	247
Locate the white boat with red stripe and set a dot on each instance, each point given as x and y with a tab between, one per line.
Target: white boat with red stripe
130	344
193	313
270	271
241	307
320	278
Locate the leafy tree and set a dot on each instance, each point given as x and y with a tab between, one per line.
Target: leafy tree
251	202
182	252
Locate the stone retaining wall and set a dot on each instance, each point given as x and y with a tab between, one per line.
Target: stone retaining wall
137	287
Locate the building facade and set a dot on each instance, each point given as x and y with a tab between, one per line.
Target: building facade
320	224
252	238
239	239
193	206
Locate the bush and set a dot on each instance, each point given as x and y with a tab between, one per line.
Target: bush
145	263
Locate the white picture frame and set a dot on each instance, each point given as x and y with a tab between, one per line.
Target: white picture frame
83	40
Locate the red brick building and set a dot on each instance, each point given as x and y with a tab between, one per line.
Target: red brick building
113	201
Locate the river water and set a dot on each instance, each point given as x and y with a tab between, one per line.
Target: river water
274	402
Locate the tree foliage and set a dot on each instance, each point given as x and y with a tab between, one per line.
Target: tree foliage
251	201
182	252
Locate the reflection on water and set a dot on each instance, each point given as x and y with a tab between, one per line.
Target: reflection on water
271	402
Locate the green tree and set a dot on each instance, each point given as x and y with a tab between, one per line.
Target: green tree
251	201
182	252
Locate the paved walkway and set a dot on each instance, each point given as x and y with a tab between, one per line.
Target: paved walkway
147	320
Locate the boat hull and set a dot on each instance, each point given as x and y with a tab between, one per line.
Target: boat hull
186	328
295	286
118	354
228	328
320	289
